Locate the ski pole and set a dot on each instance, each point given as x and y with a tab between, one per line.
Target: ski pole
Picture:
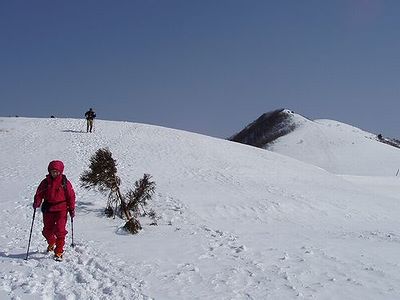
30	234
72	229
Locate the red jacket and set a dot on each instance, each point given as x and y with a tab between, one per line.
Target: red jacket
55	196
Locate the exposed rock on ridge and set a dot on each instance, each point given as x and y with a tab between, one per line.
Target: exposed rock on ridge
267	128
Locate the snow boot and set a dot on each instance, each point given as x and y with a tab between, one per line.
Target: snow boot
58	256
50	248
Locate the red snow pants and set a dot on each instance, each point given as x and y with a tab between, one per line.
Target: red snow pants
54	229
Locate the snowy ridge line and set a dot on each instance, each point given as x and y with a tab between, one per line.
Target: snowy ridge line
236	222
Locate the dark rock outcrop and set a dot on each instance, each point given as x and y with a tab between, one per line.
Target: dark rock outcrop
267	128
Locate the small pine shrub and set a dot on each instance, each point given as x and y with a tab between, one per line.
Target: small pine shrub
138	198
102	174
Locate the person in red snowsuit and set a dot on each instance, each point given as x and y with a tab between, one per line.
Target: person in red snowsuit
59	199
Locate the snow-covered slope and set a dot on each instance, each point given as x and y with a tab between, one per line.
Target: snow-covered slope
338	148
236	222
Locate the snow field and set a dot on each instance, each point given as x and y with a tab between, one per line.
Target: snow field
235	222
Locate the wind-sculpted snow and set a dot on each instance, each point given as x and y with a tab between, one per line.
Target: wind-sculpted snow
235	222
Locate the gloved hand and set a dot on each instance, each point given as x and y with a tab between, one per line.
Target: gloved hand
72	213
35	205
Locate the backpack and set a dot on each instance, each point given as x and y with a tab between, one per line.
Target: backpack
46	205
90	115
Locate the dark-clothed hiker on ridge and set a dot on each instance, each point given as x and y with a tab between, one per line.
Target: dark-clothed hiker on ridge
59	198
90	115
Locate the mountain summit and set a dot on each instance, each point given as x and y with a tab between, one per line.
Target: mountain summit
334	146
267	128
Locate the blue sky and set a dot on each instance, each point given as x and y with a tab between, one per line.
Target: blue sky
204	66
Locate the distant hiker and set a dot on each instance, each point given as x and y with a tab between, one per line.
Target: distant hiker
90	115
59	198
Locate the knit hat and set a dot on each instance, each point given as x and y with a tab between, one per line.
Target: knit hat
56	165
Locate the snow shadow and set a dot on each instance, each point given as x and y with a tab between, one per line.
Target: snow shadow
74	131
87	207
19	255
